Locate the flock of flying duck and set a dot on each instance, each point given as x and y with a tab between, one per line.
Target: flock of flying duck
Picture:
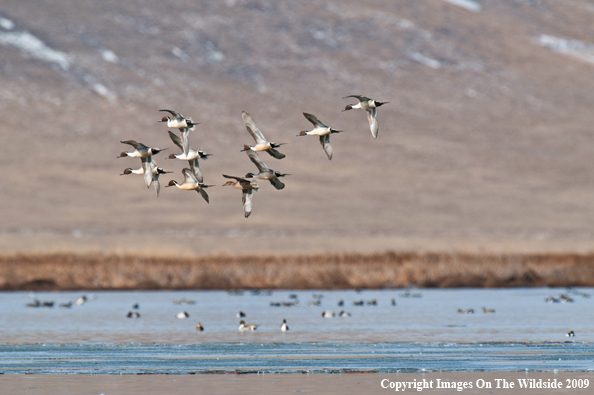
193	178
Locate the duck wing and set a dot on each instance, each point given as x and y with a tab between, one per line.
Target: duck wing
273	152
177	141
189	176
358	97
176	114
234	178
277	183
313	119
373	124
252	128
202	192
135	144
184	132
246	198
147	168
325	141
195	168
255	158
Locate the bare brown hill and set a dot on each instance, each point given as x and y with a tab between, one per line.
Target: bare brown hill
488	133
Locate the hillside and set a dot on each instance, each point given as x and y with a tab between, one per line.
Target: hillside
487	134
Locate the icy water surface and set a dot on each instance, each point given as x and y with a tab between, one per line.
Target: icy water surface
423	331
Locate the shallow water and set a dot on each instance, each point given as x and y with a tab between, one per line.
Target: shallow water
423	332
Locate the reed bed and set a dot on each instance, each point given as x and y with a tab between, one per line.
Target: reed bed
321	271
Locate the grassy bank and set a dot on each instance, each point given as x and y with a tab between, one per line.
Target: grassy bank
324	271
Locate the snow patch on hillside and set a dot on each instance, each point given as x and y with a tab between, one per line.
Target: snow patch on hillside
466	4
575	48
34	47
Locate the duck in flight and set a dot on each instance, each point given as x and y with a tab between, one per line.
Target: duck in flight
183	124
140	150
370	106
320	130
264	172
246	186
151	176
192	156
191	184
261	143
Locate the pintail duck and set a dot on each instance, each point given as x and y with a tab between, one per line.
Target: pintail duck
261	143
246	327
191	183
344	314
36	303
488	311
80	301
184	301
131	314
466	311
246	186
328	314
320	130
192	154
192	157
140	150
182	315
199	327
565	299
178	121
240	314
150	177
265	172
370	106
284	327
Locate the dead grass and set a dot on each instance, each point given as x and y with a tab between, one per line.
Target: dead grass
327	271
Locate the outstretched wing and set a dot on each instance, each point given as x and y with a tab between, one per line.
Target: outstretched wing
358	97
135	144
234	178
275	153
277	183
185	140
202	192
176	140
252	128
246	198
176	114
373	125
189	175
195	167
325	141
147	168
313	119
255	158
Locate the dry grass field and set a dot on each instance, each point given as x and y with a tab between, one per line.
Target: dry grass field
487	136
326	271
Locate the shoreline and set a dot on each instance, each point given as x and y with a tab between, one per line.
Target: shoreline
110	271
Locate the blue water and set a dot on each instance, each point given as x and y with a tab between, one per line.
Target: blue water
423	332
